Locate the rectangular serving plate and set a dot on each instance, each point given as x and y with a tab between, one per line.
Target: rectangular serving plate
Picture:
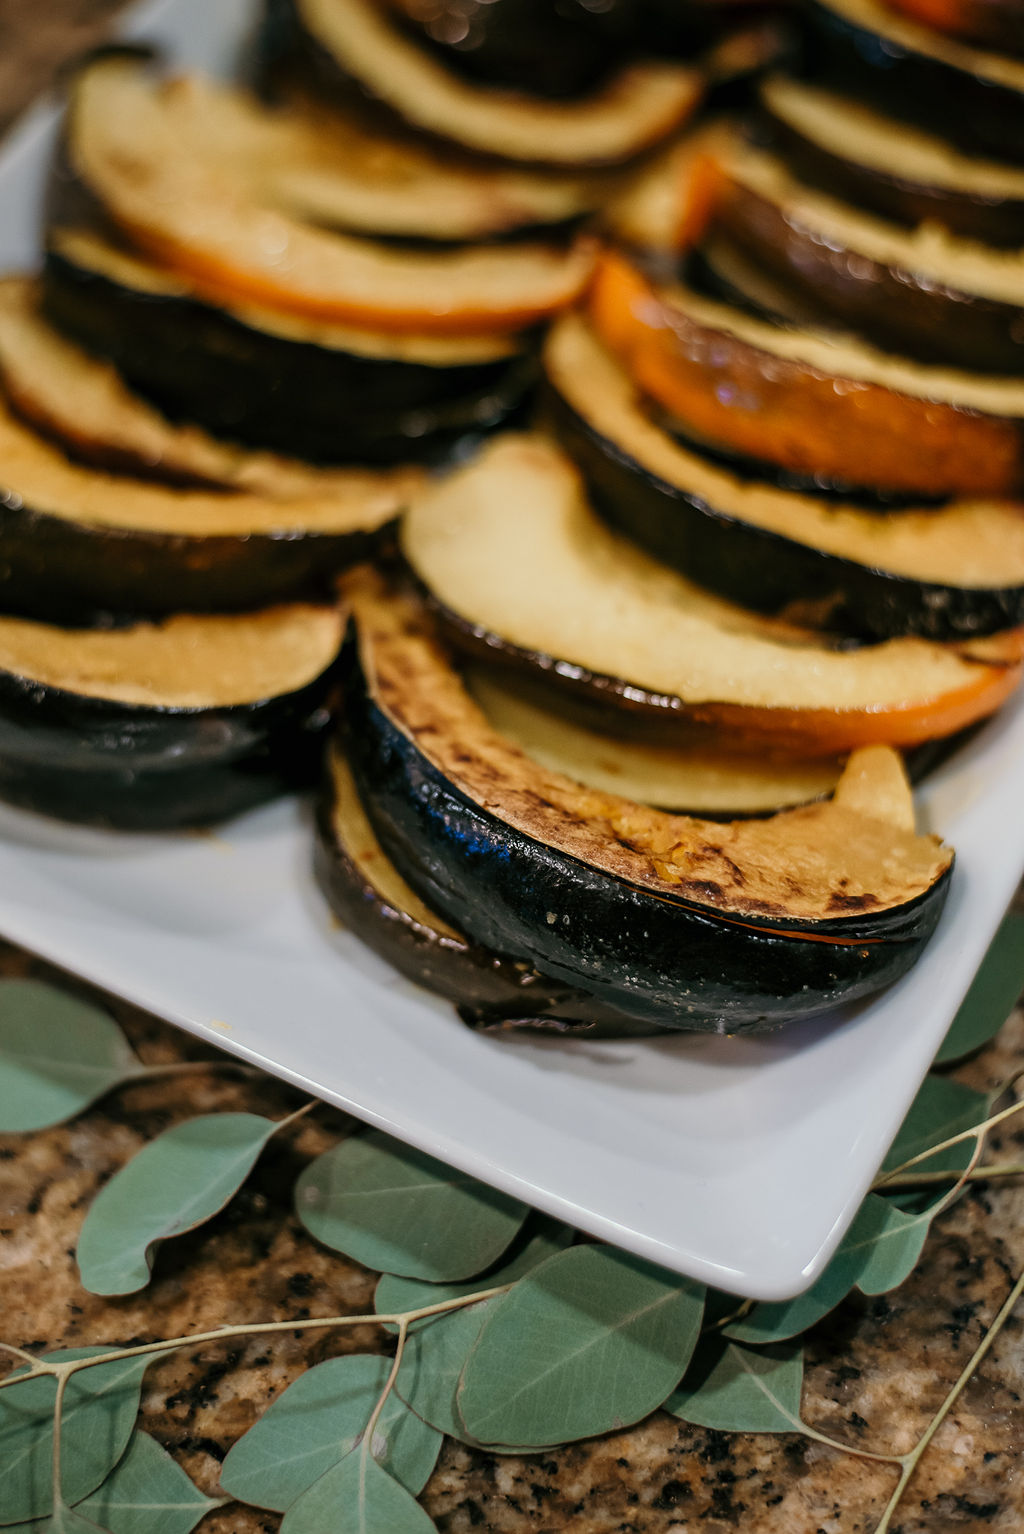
737	1161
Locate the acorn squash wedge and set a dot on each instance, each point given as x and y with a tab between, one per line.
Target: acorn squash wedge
846	149
492	992
972	97
815	404
156	727
924	292
520	570
942	572
683	923
329	394
77	542
346	41
182	207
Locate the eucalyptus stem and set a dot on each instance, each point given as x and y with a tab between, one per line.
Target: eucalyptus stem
910	1461
977	1131
18	1352
366	1445
929	1179
42	1366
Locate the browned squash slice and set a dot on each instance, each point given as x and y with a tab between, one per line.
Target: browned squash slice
700	780
679	921
902	173
83	404
925	291
996	24
822	405
370	897
188	210
634	111
76	541
330	167
522	570
940	571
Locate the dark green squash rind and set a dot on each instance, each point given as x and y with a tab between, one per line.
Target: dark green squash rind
72	573
897	310
599	933
95	761
491	992
996	221
201	364
979	116
762	569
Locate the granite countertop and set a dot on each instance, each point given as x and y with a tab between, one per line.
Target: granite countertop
877	1368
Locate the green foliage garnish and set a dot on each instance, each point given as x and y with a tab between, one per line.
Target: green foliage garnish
396	1210
57	1055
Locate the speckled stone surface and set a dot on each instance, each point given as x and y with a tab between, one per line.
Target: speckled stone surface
878	1368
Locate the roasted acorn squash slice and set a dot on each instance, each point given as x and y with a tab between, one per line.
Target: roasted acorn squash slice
819	405
179	204
939	571
161	726
639	106
492	992
681	922
76	542
327	393
844	148
521	570
924	292
972	97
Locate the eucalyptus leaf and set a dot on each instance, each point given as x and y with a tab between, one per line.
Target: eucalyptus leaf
175	1183
941	1109
356	1497
100	1407
57	1055
996	986
395	1295
314	1424
394	1209
736	1389
878	1252
435	1356
591	1340
147	1493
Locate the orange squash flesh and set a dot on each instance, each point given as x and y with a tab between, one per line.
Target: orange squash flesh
784	411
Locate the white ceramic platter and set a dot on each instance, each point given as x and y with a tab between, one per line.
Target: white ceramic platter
737	1161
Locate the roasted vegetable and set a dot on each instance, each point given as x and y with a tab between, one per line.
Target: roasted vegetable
519	569
354	43
159	727
149	167
939	571
321	392
683	923
925	292
845	149
815	404
973	98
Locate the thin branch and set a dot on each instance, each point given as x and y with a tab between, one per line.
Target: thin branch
929	1179
910	1461
58	1422
976	1131
366	1446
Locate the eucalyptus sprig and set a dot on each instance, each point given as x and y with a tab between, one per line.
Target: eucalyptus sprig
510	1331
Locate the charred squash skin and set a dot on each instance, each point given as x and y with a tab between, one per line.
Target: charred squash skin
79	574
599	933
198	363
996	24
762	569
98	762
995	221
492	992
897	312
859	56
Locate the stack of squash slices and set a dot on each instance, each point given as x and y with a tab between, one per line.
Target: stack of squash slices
617	712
